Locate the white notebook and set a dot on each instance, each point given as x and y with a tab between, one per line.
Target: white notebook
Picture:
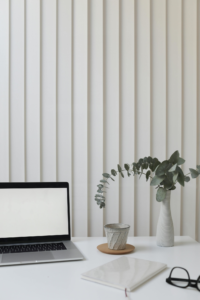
125	272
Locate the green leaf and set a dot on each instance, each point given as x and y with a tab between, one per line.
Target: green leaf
162	168
173	188
126	166
173	168
129	174
157	180
175	176
140	161
180	161
148	173
137	166
160	195
99	191
181	179
113	172
174	157
145	159
119	168
104	181
187	178
106	175
149	159
198	168
122	174
141	172
100	185
112	179
145	165
167	184
100	196
194	173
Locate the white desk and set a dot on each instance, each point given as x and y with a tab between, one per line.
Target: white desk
60	281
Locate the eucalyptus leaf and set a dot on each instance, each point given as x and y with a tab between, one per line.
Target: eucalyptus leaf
112	179
175	176
194	173
106	175
99	191
173	168
140	161
119	168
100	185
126	166
162	168
181	179
148	173
145	159
149	159
174	157
173	188
129	174
160	195
113	172
100	196
198	168
187	178
137	166
157	180
122	174
180	161
104	181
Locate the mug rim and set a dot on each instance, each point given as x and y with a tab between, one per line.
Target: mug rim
125	226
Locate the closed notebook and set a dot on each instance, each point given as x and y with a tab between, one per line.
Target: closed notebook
125	272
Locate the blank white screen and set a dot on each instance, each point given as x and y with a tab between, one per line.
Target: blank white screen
33	212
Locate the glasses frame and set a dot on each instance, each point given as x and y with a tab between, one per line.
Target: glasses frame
191	282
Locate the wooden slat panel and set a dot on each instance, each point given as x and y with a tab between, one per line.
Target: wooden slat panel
189	113
127	109
4	88
33	90
143	122
17	97
174	96
65	93
80	117
95	113
49	90
159	93
112	102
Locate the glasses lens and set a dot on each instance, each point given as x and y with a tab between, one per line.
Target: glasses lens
198	283
179	277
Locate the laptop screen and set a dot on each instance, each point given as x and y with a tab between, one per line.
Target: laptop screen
32	212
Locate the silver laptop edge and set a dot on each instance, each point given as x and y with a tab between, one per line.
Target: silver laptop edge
53	205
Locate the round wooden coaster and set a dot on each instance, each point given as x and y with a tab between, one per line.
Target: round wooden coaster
104	248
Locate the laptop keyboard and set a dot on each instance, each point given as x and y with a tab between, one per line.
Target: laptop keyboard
32	248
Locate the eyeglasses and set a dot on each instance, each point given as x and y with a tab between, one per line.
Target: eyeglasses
180	277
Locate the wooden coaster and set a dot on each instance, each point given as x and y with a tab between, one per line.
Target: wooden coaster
104	248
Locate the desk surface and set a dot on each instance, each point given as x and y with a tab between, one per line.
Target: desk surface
63	280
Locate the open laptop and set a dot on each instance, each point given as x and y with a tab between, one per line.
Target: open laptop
35	223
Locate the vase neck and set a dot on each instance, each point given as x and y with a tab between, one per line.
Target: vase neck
166	201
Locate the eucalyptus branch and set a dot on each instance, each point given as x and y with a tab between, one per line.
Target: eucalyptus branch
167	174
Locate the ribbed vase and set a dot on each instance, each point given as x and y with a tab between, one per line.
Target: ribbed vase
165	227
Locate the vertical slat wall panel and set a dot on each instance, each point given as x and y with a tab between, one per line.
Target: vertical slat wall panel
159	93
127	109
174	96
80	117
143	99
95	112
198	121
17	96
112	102
33	90
64	85
189	113
4	88
49	89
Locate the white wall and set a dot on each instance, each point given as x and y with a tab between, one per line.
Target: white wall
88	84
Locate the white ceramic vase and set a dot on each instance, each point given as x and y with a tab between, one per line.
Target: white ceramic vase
165	228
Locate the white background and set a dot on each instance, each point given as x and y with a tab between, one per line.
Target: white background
33	212
86	84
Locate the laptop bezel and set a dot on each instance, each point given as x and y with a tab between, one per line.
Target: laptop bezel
38	239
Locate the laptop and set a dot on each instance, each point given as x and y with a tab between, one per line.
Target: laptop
35	223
